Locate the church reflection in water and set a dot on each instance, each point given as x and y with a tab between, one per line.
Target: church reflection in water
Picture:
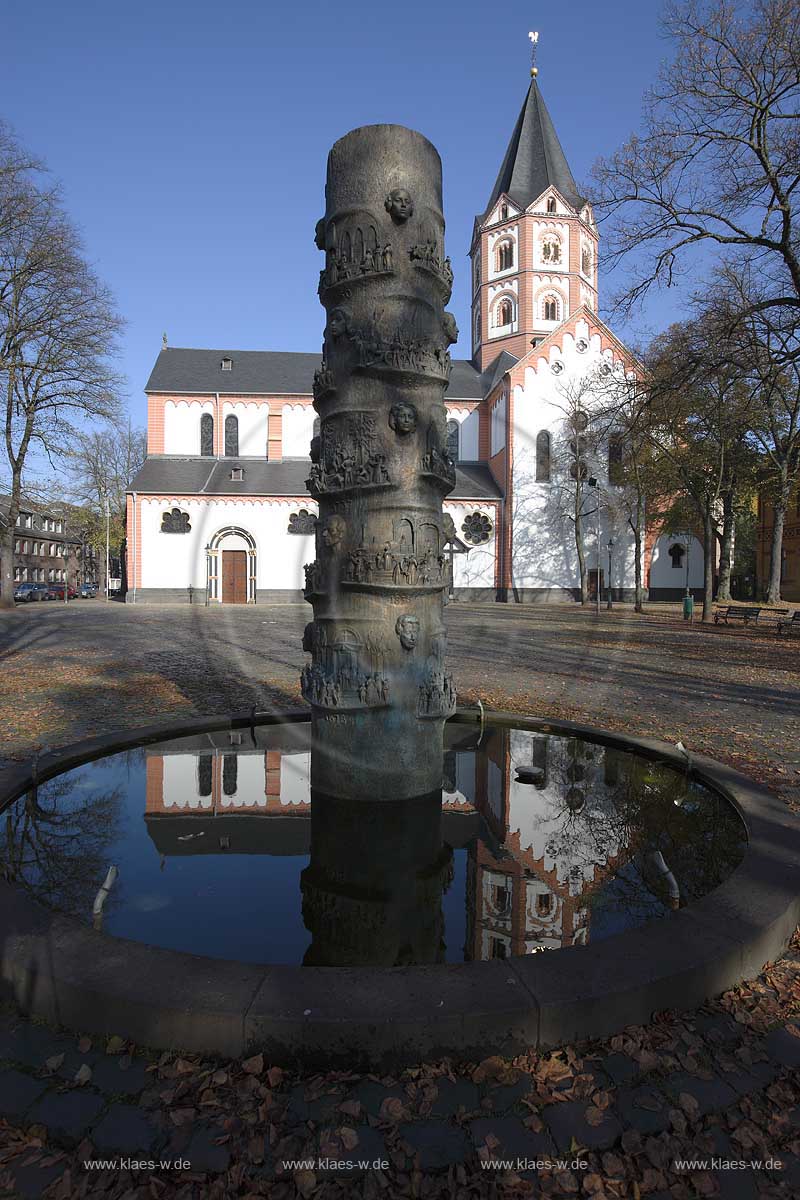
564	840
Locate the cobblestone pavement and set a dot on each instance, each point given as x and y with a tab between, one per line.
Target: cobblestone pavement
617	1118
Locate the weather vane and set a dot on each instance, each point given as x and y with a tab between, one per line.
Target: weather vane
534	36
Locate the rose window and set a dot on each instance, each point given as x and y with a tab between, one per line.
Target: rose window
477	528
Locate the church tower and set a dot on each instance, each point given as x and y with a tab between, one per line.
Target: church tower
534	249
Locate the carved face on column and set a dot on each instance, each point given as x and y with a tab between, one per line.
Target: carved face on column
403	417
319	234
449	528
334	532
407	629
399	205
316	448
337	323
450	328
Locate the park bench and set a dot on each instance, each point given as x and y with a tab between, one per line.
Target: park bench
737	612
790	625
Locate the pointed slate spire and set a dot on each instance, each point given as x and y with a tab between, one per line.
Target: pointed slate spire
534	159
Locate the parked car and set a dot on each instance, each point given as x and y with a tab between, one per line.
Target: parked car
88	591
55	591
28	592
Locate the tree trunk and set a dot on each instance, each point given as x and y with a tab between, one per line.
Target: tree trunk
709	542
776	549
638	538
579	545
726	547
8	536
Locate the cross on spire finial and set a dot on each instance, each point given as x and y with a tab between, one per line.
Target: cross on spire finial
534	37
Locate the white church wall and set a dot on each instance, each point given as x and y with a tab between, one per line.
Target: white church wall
295	779
181	783
477	568
498	426
171	560
182	425
253	425
662	572
468	422
298	429
544	555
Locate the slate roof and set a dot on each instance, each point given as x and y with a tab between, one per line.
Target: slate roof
171	475
534	159
268	372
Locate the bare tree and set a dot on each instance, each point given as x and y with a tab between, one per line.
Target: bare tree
718	161
58	326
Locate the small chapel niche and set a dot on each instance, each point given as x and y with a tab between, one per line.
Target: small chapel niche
676	553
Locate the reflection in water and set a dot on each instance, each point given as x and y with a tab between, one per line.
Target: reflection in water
535	842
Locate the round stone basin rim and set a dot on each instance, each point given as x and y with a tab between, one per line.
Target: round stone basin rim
56	968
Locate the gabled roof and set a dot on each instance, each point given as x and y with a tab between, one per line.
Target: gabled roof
534	159
181	371
173	475
555	338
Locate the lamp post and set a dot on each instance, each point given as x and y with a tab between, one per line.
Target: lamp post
609	605
208	570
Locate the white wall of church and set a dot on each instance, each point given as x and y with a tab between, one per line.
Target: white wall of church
253	426
172	560
662	572
475	569
544	552
182	425
298	429
467	433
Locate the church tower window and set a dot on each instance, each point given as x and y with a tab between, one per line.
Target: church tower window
452	439
503	212
207	435
551	204
505	256
615	455
504	314
543	457
586	260
550	308
231	436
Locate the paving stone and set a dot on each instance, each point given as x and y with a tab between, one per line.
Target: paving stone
752	1078
452	1096
124	1130
371	1146
516	1140
319	1110
109	1078
738	1185
506	1096
717	1027
203	1154
784	1047
67	1115
566	1121
31	1044
372	1095
18	1092
636	1115
31	1181
620	1068
712	1095
437	1144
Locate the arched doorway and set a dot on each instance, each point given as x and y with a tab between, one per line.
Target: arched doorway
231	567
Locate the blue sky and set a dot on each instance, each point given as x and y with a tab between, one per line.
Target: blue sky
191	138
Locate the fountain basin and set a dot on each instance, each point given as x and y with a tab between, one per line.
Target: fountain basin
57	967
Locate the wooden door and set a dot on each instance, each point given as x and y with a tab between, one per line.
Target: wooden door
592	582
234	576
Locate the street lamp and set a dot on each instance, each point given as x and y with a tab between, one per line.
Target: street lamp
609	605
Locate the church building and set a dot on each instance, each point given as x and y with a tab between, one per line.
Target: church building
220	511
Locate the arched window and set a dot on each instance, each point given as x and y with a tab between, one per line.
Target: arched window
586	260
204	769
615	458
207	435
551	204
543	457
231	436
505	256
550	308
452	439
676	553
503	212
230	771
504	314
551	249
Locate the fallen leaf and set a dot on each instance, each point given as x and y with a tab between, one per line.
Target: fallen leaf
275	1076
54	1063
689	1105
594	1116
84	1045
352	1108
254	1065
83	1074
115	1045
349	1137
305	1182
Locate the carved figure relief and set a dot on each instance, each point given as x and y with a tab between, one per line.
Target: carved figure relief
426	254
323	381
346	672
350	456
437	696
342	268
302	522
399	205
407	629
175	522
403	417
401	351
